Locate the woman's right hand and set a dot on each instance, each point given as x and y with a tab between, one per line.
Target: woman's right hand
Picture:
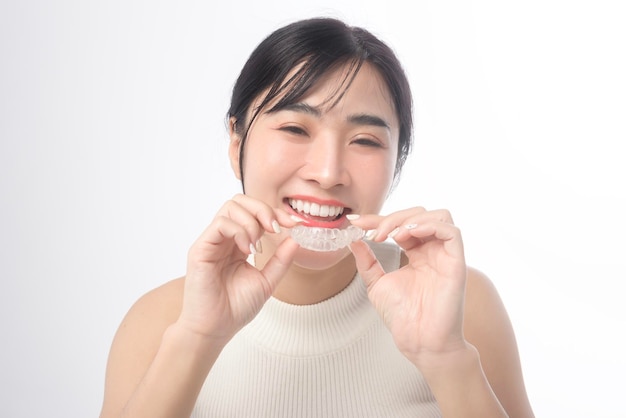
223	292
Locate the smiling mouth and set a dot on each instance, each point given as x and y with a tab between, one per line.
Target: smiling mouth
319	212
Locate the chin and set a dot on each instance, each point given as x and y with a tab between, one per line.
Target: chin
316	260
308	259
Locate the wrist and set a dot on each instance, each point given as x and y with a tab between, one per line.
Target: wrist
459	384
434	365
183	336
176	374
190	353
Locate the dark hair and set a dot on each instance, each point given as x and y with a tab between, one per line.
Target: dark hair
317	45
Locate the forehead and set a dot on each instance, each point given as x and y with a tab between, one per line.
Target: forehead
333	83
343	89
342	85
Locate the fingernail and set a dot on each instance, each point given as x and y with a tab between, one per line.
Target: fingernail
252	249
296	219
393	233
353	216
276	227
410	226
259	247
370	234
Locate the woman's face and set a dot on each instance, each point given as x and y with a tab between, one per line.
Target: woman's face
320	160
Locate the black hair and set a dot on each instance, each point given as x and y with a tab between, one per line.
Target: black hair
316	46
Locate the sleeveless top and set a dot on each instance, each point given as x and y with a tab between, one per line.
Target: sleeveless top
335	358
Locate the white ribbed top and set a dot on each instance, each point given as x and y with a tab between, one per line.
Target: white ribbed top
331	359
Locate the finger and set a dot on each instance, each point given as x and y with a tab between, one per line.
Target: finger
276	267
263	214
367	265
449	234
212	242
387	226
241	219
255	216
285	219
241	214
230	215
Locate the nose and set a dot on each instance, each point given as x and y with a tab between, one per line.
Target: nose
326	163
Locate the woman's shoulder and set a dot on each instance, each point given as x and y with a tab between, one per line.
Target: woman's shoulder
161	304
481	294
138	338
487	326
484	312
146	320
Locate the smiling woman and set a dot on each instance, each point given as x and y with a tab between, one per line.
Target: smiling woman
266	324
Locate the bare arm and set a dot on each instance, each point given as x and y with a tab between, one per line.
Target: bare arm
445	318
170	339
488	328
155	367
485	378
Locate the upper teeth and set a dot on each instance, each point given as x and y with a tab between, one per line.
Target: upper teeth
315	209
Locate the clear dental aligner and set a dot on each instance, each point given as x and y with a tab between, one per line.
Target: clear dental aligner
325	239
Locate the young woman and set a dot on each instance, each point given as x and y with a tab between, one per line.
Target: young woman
395	325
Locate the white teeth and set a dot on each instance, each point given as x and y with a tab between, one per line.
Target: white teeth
315	209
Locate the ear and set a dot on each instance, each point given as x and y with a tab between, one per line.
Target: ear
234	146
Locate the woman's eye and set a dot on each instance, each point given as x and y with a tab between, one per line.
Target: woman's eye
367	142
293	129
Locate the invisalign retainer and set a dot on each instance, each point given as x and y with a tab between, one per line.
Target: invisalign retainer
325	239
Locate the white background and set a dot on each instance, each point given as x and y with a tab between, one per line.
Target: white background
113	159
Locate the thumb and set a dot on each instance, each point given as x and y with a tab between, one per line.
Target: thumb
277	265
367	264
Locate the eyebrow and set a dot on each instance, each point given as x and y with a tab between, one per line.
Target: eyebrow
358	119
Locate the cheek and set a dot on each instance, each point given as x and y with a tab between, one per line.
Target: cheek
266	162
374	179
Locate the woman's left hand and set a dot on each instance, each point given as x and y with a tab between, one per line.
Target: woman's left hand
422	302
